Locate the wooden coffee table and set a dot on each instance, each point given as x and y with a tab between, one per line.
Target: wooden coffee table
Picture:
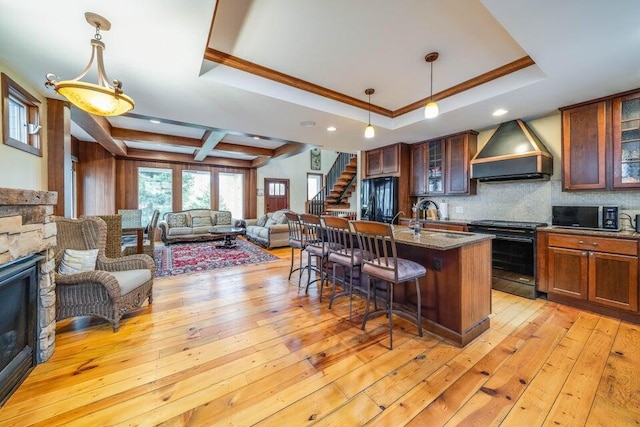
229	234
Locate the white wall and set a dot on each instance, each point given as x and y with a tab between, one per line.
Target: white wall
19	169
295	169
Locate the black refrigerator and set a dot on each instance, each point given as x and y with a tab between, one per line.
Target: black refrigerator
379	199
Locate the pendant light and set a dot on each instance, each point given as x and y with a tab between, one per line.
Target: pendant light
103	98
431	109
369	131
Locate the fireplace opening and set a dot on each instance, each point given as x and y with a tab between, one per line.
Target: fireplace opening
18	321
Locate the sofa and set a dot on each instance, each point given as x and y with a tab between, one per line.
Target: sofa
270	230
194	224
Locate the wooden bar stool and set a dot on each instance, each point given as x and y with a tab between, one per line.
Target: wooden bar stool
377	239
342	252
296	241
316	247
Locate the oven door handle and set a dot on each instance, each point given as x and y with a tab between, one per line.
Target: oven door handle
514	239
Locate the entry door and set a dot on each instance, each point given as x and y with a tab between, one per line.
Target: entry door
276	194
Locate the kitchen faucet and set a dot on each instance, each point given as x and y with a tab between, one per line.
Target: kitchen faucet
396	216
423	203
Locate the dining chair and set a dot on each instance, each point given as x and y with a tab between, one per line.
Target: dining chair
317	248
296	241
377	239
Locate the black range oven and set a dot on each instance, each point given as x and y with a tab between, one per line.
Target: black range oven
513	253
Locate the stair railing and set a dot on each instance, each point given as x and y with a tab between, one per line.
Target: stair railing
316	205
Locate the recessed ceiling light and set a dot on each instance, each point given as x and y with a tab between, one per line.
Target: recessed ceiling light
156	121
256	137
308	123
332	129
500	112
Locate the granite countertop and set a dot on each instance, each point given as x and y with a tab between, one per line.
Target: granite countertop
442	221
626	234
438	239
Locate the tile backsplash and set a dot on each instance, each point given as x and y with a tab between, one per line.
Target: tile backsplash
532	201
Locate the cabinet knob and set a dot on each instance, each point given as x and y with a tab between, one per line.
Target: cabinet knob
594	244
581	242
584	254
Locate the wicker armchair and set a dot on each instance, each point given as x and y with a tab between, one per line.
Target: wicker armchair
114	235
115	287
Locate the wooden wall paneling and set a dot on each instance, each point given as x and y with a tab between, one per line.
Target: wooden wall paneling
59	154
97	173
404	184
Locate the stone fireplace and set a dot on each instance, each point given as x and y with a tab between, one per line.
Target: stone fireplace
27	232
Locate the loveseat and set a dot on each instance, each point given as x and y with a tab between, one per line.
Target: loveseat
194	225
270	230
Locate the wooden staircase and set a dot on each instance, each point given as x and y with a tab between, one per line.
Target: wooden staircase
341	180
343	187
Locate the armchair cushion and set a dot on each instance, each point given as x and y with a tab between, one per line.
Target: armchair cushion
131	279
75	261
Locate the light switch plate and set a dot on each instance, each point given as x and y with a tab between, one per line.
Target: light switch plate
459	209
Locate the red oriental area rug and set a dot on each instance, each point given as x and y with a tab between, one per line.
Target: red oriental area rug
182	258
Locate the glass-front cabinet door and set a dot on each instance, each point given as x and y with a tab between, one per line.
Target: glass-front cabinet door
626	141
435	167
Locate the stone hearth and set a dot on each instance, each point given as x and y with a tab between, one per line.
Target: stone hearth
26	228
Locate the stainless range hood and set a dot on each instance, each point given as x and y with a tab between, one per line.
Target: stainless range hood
513	152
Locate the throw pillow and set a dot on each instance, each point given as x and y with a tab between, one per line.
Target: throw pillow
201	221
270	222
223	218
261	221
177	220
76	261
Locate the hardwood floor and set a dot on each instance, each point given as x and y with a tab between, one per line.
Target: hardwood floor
245	346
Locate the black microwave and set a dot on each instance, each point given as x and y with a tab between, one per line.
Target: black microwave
592	217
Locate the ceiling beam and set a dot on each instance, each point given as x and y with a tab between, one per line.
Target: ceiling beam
277	76
268	73
245	149
158	138
99	129
284	151
209	140
161	156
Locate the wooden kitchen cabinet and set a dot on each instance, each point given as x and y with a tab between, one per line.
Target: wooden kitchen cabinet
383	161
419	155
441	166
460	149
626	141
597	271
601	144
427	168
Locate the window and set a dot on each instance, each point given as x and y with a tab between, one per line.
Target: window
314	185
230	193
20	118
196	189
277	189
154	191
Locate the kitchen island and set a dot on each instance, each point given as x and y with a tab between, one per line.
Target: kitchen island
456	291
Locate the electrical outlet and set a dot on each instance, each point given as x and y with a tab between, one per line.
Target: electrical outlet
459	209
